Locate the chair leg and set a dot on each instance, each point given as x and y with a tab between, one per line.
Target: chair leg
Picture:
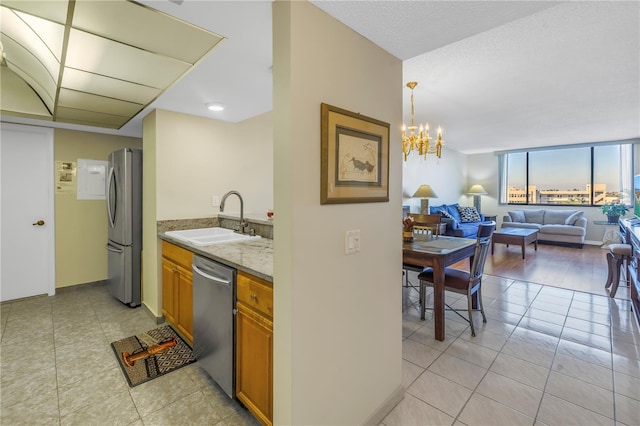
469	307
610	267
423	298
480	305
616	277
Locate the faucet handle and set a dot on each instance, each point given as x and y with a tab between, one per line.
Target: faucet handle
243	226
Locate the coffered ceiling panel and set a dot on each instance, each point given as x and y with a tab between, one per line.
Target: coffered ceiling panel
95	103
108	58
17	93
51	10
34	73
82	59
100	85
131	24
90	118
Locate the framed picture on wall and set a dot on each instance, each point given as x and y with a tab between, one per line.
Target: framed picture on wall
354	159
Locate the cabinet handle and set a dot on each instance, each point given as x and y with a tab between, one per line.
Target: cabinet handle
253	297
174	270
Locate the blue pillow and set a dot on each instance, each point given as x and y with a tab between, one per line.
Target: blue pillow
453	211
455	222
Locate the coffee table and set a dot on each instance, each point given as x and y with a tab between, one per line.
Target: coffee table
519	236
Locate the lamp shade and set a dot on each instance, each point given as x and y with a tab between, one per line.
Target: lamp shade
425	191
477	190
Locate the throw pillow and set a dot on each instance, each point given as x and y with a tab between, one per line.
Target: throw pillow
437	209
534	216
571	220
516	215
453	211
469	214
445	213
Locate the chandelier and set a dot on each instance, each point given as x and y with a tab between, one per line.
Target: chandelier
421	142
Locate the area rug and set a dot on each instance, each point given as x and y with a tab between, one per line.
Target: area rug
151	354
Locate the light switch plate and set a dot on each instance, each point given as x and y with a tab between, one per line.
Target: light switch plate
215	201
352	241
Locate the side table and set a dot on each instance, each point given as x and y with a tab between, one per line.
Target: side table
611	233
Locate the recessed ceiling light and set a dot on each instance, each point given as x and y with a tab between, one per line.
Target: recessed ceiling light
215	107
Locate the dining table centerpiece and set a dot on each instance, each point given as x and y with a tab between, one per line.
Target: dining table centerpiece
407	229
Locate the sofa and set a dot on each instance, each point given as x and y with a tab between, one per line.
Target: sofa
565	227
461	221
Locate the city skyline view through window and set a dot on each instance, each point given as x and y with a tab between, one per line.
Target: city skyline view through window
564	176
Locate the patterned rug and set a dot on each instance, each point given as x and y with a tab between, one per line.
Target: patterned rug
166	355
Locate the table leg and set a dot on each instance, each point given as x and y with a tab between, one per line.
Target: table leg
523	245
438	300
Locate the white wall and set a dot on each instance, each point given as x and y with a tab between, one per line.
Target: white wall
199	157
447	176
187	160
337	319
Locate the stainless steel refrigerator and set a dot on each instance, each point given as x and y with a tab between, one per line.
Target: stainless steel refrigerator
124	219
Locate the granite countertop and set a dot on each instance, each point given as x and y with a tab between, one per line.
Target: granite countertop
254	256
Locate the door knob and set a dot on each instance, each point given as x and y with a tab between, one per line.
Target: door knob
39	223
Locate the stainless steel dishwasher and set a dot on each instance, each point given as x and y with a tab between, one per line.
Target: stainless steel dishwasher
213	320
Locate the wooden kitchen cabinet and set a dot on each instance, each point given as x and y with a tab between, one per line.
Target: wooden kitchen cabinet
177	289
254	346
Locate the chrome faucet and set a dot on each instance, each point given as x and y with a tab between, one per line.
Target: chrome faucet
243	224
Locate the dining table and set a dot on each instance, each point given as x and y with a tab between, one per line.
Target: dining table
437	252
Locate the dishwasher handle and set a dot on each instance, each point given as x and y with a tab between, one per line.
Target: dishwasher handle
209	276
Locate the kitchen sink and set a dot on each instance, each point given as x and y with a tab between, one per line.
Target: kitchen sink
208	236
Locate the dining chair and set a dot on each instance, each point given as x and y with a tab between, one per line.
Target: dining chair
618	254
463	282
424	222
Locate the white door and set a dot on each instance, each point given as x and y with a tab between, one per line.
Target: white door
27	245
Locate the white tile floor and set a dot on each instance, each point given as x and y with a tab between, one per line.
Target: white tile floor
546	356
57	368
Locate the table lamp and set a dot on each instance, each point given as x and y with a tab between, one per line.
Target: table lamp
424	193
477	191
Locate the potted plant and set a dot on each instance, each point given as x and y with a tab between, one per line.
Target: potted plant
614	211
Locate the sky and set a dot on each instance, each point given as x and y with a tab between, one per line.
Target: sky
567	168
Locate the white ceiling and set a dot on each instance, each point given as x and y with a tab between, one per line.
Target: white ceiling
494	75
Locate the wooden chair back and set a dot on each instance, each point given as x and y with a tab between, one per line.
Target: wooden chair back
424	222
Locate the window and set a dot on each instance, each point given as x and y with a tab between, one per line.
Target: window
588	175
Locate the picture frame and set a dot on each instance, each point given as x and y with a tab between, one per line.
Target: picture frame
354	159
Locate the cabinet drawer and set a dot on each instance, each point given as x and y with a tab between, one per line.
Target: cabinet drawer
255	292
179	255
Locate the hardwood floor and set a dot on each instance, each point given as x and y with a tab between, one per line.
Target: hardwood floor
566	267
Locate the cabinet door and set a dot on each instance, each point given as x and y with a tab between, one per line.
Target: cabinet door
254	363
185	303
169	270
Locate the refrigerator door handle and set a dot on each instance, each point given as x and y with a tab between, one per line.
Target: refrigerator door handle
114	249
110	178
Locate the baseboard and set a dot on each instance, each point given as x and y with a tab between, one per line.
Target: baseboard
561	243
157	319
389	404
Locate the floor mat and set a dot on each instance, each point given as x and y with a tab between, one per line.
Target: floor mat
151	354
